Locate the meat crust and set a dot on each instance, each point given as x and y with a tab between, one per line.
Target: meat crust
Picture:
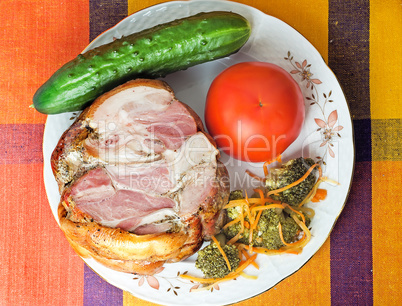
186	224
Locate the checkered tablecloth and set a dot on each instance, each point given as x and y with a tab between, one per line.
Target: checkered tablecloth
360	263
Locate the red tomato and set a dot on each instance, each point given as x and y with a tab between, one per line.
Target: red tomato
254	111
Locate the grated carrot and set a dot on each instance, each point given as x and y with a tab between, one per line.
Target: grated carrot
261	250
265	166
248	213
269	206
314	189
241	221
246	197
266	170
254	176
251	201
320	195
260	192
247	256
296	211
234	203
222	252
235	238
254	225
231	222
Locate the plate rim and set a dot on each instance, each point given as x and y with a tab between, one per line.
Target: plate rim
353	162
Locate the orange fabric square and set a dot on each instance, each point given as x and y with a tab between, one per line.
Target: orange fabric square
387	256
38	267
43	35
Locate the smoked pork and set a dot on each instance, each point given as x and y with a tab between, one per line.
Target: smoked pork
140	180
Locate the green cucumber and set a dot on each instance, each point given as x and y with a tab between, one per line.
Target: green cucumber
151	53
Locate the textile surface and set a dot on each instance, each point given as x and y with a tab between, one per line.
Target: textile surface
360	263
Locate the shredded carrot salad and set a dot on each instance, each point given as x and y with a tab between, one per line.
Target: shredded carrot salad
211	282
250	211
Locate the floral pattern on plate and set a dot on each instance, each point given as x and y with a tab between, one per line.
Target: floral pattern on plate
326	125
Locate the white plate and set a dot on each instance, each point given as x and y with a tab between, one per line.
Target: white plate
273	41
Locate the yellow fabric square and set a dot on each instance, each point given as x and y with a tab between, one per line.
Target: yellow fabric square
385	138
385	59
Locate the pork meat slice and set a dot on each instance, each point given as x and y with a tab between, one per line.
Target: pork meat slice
138	167
95	195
